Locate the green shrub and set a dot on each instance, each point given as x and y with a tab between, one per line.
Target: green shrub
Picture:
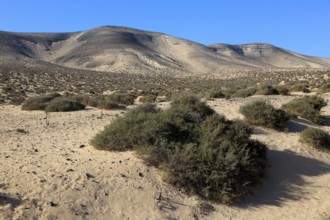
193	103
243	93
263	114
39	102
63	105
266	90
215	94
229	93
300	88
282	90
122	98
16	100
201	152
109	104
307	107
316	138
83	99
148	98
145	108
324	88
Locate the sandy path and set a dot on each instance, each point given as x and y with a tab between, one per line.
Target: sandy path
46	173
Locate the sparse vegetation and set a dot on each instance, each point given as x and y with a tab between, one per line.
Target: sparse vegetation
215	94
324	88
282	90
121	98
39	102
61	104
266	90
243	93
307	107
300	88
200	151
150	98
316	138
264	114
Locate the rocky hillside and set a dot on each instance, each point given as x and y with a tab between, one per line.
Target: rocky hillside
126	50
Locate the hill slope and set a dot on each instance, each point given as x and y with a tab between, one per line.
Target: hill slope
119	49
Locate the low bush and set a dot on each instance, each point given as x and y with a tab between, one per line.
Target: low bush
109	104
282	90
307	107
122	98
39	102
63	105
216	94
300	88
316	138
324	88
148	98
266	90
18	100
193	103
83	99
200	151
264	114
243	93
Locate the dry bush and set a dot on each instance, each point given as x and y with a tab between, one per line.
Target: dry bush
307	107
264	114
316	138
201	152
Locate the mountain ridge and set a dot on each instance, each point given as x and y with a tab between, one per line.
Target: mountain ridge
123	49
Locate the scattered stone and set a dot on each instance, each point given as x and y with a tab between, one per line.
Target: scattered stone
52	204
22	131
89	176
70	170
82	146
141	174
36	150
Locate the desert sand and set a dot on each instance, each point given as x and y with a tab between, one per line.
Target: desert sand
49	171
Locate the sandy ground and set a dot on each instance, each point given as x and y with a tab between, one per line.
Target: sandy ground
51	172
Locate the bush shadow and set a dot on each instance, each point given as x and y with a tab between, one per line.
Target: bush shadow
6	199
284	180
296	125
326	121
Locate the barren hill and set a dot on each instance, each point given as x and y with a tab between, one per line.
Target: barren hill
120	49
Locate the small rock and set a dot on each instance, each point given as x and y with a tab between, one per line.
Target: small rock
70	170
141	174
82	146
89	176
52	204
35	150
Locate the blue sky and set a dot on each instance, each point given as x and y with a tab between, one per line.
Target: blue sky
302	26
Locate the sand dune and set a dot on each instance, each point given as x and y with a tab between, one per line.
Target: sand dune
51	172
